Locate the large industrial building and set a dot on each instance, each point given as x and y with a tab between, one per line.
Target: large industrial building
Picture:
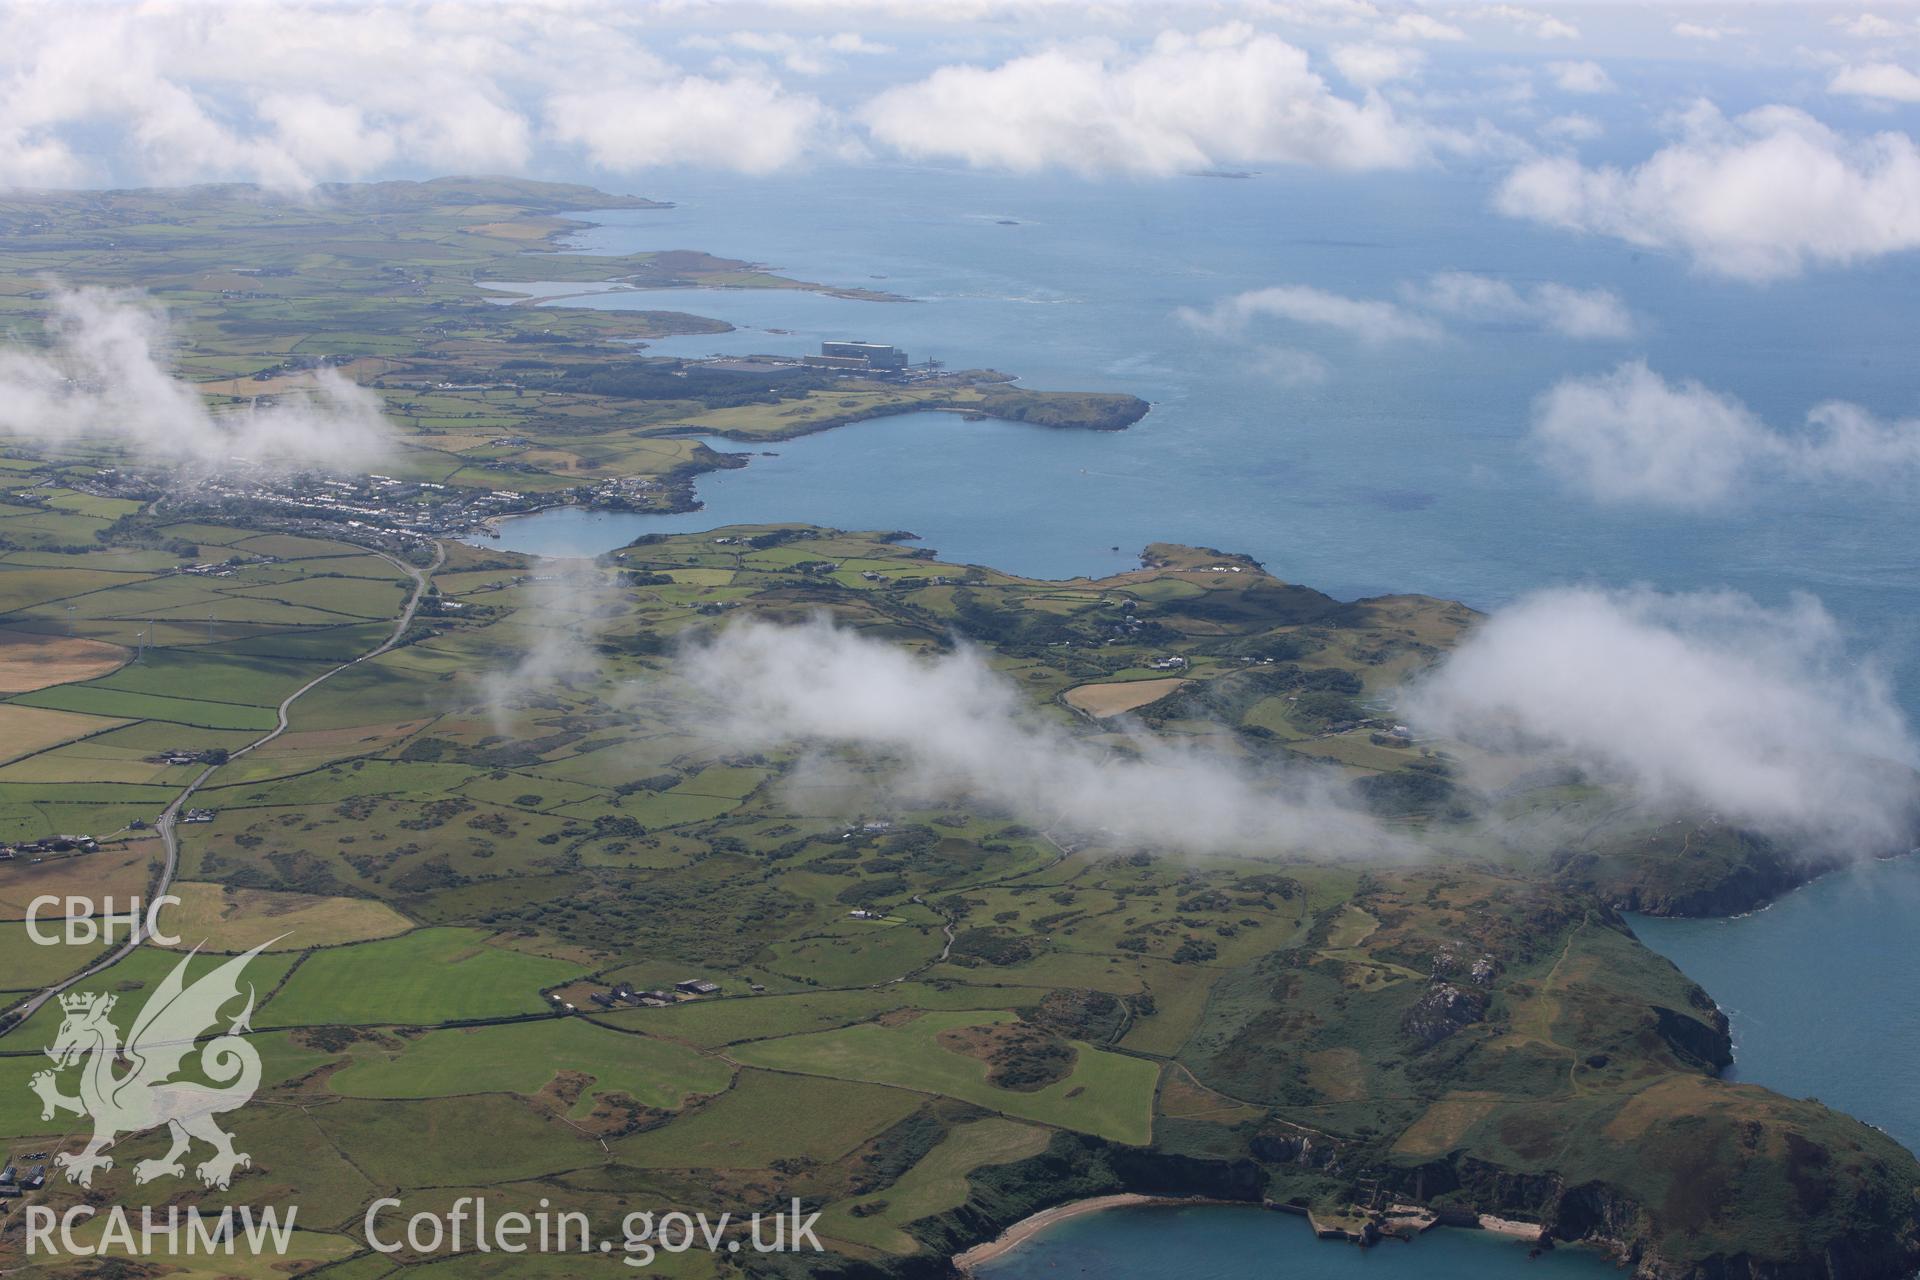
858	355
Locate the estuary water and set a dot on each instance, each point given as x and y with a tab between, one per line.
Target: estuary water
1405	467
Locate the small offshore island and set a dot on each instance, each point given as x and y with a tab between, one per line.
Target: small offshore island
559	937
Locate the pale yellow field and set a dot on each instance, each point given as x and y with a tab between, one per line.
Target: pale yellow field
221	918
29	662
1103	700
25	730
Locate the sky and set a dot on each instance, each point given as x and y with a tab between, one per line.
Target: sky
1649	124
1757	142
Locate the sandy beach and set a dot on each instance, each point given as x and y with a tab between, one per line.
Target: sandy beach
1025	1229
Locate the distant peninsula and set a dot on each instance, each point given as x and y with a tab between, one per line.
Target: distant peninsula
503	404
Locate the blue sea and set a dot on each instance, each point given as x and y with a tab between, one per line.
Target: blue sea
1227	1242
1407	469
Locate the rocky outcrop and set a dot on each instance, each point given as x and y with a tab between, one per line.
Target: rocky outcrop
1443	1010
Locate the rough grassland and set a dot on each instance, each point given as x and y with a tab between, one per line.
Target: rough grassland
438	1141
767	1117
1108	1094
936	1184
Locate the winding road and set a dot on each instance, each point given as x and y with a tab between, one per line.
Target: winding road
169	818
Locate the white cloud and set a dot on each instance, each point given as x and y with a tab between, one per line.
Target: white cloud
1759	715
1632	436
813	55
1870	26
1573	127
1227	96
950	725
101	380
1420	26
1756	198
1883	80
1581	77
1367	321
291	93
1542	26
1574	313
746	124
1371	65
1701	31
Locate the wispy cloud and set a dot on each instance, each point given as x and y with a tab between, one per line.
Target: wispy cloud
1542	26
1581	77
1372	322
567	610
1571	312
102	378
1705	701
949	725
1248	317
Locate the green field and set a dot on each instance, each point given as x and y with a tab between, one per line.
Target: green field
523	1058
424	978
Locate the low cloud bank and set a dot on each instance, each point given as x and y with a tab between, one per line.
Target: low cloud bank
1632	436
951	725
1707	700
102	379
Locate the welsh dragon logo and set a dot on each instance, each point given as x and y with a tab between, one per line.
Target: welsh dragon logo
130	1088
